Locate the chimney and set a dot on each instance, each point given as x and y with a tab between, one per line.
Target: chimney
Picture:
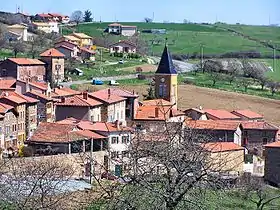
156	112
85	95
109	92
117	124
63	100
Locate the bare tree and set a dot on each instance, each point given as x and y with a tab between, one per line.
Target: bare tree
273	86
215	77
77	16
3	31
255	190
17	47
37	45
212	66
148	20
246	82
234	70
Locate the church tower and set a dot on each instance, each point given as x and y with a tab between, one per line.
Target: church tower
166	85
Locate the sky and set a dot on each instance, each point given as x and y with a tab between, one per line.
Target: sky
255	12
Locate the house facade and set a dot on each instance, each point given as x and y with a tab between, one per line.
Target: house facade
123	46
47	27
69	49
19	29
25	69
116	28
54	65
272	167
84	40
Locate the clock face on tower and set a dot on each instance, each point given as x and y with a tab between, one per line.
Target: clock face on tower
162	80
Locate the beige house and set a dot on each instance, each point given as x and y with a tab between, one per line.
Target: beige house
226	157
84	40
20	30
123	46
116	28
47	27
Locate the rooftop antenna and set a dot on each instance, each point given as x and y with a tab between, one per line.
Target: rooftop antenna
153	16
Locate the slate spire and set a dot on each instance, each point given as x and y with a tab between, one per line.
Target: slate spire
166	65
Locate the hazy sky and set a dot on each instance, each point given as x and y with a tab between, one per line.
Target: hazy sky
230	11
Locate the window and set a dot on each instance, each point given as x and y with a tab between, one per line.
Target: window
125	139
4	72
118	116
92	118
122	117
160	90
98	117
114	155
14	128
115	140
7	129
125	154
265	141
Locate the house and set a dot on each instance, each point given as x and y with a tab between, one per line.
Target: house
131	100
47	27
70	38
20	30
116	28
113	106
55	138
45	106
248	115
54	65
25	86
118	140
7	84
25	69
196	114
257	134
69	49
63	92
45	17
86	54
226	157
217	130
217	114
8	128
59	18
81	107
123	46
272	160
84	40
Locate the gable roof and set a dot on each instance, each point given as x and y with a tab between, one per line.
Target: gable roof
258	126
7	83
275	144
81	35
106	97
63	91
4	108
52	53
78	100
229	125
60	133
119	92
221	146
220	114
26	61
44	15
247	113
38	95
71	38
114	24
156	113
166	65
87	50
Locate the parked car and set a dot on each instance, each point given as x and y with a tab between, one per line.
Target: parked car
113	82
121	61
109	176
97	82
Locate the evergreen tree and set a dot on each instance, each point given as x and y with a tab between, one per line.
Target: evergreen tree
87	16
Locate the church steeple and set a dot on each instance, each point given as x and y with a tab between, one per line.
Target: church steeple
166	85
166	65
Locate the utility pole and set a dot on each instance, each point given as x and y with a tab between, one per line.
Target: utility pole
91	162
201	56
274	57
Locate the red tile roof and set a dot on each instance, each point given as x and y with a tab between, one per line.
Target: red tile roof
106	97
247	113
94	126
87	50
213	124
78	100
156	102
157	113
220	114
17	98
7	83
114	24
38	95
52	53
273	144
221	146
195	109
64	91
60	133
119	92
5	107
26	61
258	126
44	15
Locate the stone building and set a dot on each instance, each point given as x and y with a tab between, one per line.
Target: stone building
54	65
272	160
25	69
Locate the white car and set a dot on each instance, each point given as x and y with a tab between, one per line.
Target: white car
113	82
121	61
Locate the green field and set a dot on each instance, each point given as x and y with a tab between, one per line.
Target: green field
188	37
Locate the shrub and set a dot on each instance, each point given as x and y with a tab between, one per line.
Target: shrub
189	82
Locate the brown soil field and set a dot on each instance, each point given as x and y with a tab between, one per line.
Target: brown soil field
193	96
145	68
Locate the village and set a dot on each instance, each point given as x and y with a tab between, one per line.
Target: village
104	133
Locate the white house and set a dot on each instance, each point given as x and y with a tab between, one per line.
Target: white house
116	28
20	30
47	27
123	46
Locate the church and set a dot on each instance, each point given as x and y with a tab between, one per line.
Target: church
163	108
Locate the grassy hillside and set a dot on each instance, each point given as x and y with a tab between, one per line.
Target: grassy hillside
188	37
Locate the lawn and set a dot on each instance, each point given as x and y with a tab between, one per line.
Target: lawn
188	37
275	74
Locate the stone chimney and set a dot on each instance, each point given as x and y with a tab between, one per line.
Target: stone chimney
85	95
156	112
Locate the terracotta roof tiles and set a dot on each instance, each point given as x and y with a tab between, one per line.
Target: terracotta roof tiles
247	113
7	83
26	61
78	100
220	114
221	146
213	124
52	53
119	92
275	144
258	125
106	97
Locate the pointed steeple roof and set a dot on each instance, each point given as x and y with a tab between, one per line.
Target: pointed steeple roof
166	64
